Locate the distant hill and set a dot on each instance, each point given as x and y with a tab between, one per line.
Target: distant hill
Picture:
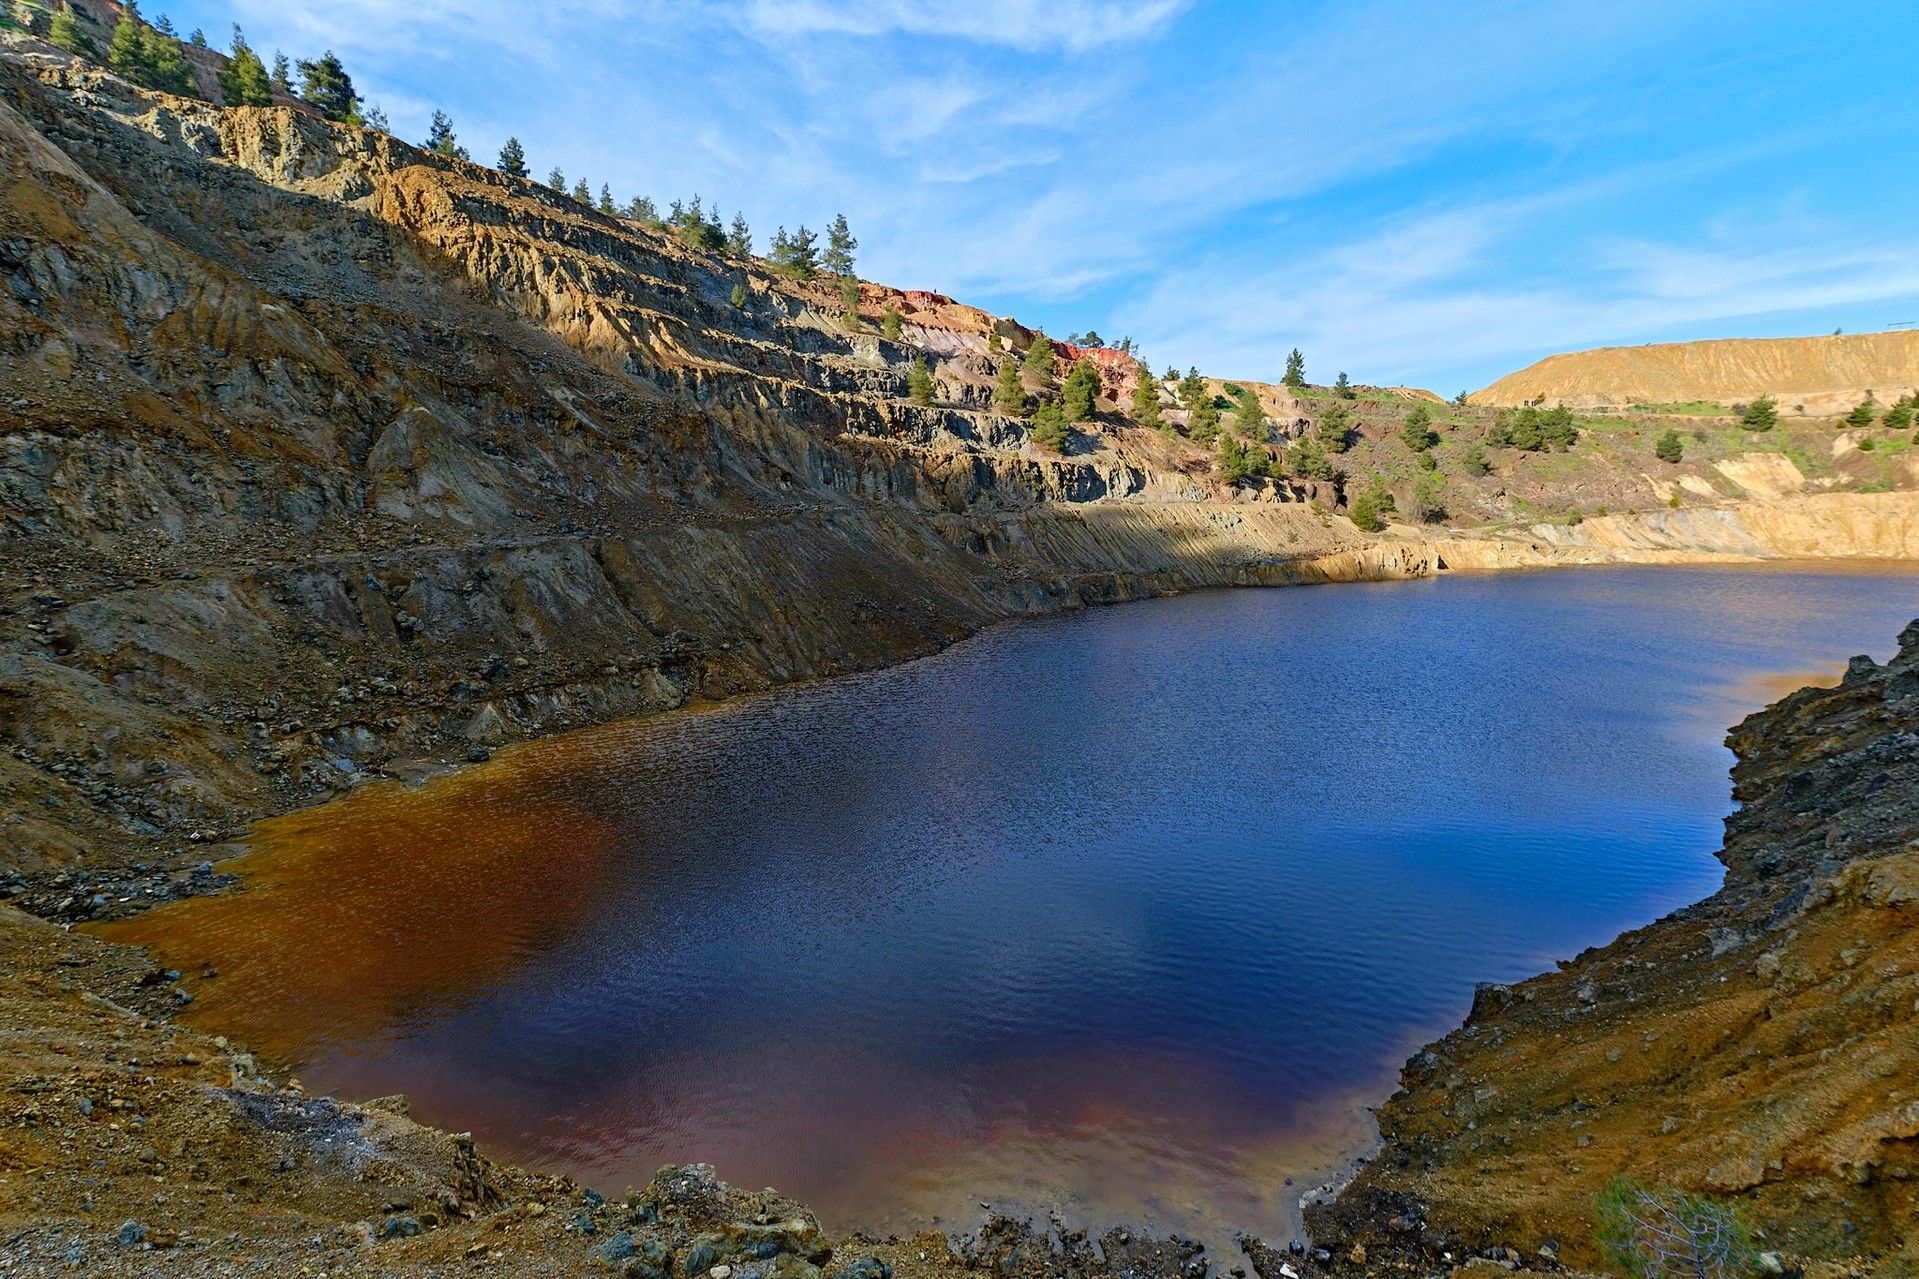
1826	374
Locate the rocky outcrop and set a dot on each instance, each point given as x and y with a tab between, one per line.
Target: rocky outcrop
1760	1046
1831	371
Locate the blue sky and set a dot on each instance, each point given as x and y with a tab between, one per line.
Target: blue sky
1433	194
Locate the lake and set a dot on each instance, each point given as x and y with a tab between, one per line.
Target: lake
1127	912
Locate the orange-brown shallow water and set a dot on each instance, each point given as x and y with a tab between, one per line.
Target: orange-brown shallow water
1125	913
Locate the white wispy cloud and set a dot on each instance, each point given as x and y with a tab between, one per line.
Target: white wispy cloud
1075	25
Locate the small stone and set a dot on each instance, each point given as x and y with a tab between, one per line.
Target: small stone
131	1233
1358	1255
1772	1263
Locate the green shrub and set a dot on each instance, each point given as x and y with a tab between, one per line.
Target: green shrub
1669	447
1672	1235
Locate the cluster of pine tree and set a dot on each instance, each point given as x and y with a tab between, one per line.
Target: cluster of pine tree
1534	431
1898	417
151	55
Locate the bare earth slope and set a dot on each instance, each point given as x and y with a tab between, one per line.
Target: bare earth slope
1735	369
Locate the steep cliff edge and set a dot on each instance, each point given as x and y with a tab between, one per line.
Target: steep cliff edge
1830	371
1762	1045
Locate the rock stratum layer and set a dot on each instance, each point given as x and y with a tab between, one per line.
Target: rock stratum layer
1839	368
322	456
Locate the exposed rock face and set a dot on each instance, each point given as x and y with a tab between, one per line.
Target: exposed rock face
1832	371
1762	1045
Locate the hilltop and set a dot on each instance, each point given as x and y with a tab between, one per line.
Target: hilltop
1811	376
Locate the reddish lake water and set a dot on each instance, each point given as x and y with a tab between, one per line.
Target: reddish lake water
1126	912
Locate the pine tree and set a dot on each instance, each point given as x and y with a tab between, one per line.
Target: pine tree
1080	395
739	296
1192	389
839	247
513	159
127	55
1364	511
1009	396
850	301
325	84
582	193
1761	415
607	206
1343	387
65	33
556	180
148	57
1250	419
1417	433
1308	460
641	210
1040	364
1146	400
795	255
1334	429
1204	423
167	67
1899	416
1669	447
890	323
1232	460
739	240
1295	370
165	26
919	381
1862	416
1558	430
282	72
199	41
377	121
1049	428
243	80
1525	431
440	139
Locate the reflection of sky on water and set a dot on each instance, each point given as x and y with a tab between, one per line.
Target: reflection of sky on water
1124	909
